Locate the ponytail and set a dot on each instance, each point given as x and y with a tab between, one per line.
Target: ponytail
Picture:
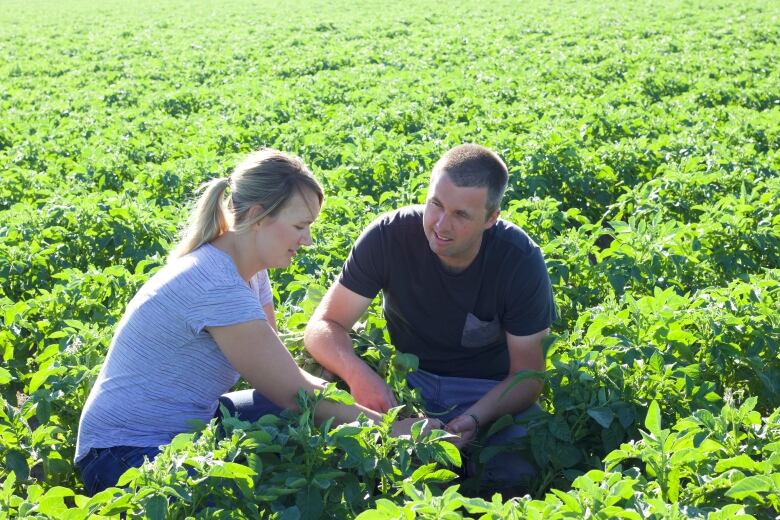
207	221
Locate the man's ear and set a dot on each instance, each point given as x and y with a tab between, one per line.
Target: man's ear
492	218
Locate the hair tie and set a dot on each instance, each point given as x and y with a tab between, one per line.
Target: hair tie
228	182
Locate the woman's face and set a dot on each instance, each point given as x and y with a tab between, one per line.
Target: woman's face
279	237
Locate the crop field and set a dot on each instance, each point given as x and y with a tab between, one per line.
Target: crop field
642	140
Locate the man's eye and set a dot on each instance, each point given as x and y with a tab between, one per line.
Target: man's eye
299	228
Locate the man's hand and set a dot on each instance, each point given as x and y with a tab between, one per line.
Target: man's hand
371	391
465	427
327	340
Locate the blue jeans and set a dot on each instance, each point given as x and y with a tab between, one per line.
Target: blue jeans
101	468
447	397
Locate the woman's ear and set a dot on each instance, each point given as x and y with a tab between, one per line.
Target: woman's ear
255	211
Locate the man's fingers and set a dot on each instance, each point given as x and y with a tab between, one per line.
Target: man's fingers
377	405
389	398
391	403
457	425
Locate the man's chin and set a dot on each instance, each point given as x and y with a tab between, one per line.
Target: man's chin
437	249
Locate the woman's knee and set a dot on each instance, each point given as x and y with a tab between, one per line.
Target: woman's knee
102	467
248	405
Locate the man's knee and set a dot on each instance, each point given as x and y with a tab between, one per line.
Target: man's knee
515	427
508	464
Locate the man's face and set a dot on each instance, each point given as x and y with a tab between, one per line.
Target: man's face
454	219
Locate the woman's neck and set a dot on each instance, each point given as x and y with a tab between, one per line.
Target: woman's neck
229	243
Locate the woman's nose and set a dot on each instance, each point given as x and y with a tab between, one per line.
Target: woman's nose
306	239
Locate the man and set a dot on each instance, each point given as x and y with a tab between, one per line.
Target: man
465	291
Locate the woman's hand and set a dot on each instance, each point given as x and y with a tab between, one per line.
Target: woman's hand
464	427
404	426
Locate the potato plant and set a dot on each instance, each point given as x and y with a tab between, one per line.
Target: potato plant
642	142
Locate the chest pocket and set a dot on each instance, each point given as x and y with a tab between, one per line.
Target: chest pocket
478	333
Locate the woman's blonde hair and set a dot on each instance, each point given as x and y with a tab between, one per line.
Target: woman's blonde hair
266	179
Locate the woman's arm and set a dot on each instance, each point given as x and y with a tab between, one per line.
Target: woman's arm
258	355
270	316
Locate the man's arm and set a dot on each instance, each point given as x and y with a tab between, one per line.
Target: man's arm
525	353
327	340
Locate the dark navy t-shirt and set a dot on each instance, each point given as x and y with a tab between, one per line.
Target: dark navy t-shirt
454	322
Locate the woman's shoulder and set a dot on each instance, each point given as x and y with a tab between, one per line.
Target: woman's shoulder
204	269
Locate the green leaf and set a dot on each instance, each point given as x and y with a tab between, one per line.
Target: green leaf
346	430
332	393
422	471
15	310
9	485
16	461
156	508
560	429
291	513
750	486
231	470
5	376
309	502
58	492
625	414
502	422
653	419
405	361
52	503
41	376
372	514
521	376
740	462
569	501
117	505
74	514
566	456
446	453
619	512
416	429
128	476
547	342
602	415
439	476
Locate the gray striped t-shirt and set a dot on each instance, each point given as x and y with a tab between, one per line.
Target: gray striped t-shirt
163	369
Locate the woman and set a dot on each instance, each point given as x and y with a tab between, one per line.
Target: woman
203	320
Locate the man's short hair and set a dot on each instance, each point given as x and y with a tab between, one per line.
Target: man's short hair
474	166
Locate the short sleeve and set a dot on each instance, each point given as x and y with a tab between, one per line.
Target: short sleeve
364	271
262	286
225	305
529	307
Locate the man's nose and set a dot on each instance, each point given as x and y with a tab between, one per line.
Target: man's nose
443	222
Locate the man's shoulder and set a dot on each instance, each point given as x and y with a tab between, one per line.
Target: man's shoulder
401	217
402	224
510	237
392	232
